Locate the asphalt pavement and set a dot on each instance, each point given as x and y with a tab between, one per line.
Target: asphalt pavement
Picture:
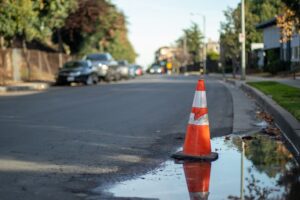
60	143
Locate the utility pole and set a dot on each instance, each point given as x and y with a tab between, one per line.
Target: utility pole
243	61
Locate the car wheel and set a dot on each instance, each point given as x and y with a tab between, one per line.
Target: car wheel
89	80
109	78
95	78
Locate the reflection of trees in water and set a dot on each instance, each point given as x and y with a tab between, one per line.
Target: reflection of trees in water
290	180
257	191
267	155
272	158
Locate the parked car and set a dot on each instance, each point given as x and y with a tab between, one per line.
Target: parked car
156	69
77	71
138	70
123	69
132	70
106	66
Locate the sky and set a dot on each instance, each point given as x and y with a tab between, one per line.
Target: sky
156	23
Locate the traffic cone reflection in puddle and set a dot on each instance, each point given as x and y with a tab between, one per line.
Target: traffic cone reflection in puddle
197	140
197	175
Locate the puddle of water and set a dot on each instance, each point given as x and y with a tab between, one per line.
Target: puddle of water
258	168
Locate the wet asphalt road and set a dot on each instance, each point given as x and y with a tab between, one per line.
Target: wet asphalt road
61	143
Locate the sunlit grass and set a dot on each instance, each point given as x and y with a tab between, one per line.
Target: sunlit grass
286	96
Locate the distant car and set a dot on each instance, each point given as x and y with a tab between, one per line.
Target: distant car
138	70
156	69
77	71
123	69
106	66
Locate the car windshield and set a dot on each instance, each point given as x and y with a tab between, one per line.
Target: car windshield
72	65
155	66
97	57
123	62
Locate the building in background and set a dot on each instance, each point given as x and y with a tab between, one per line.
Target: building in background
278	54
213	46
212	55
166	57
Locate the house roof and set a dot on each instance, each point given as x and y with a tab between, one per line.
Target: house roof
266	24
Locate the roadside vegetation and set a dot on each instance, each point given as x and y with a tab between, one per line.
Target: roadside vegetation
256	11
75	27
286	96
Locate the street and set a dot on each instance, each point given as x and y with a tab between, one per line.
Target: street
61	143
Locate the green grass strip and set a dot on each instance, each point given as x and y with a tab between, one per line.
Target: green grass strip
286	96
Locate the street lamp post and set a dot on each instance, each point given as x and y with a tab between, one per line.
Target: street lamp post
243	61
204	37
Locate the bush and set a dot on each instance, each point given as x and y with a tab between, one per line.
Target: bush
277	66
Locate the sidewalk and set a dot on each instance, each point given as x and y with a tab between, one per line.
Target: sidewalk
24	86
288	124
251	78
287	81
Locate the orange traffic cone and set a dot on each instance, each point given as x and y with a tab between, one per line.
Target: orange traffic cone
197	175
197	141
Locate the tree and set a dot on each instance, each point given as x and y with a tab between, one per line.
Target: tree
256	11
289	20
230	46
27	19
294	6
52	15
287	23
18	20
212	55
193	39
97	26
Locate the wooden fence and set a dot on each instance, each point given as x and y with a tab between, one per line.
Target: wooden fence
32	65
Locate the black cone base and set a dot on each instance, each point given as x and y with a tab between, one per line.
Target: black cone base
181	156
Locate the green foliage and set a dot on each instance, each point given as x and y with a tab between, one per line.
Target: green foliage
194	39
256	11
97	26
294	5
52	14
18	18
267	155
84	26
273	64
229	34
286	96
276	66
211	55
28	19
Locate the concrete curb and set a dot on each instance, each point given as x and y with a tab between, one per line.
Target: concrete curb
288	124
25	87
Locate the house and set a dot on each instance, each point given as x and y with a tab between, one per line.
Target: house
165	53
274	49
213	46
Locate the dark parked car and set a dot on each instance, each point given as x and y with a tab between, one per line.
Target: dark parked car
77	71
106	66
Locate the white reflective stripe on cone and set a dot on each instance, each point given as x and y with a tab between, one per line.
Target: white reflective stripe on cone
201	121
200	100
